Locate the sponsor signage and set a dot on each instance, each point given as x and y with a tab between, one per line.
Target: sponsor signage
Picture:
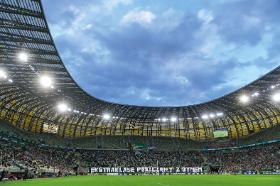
146	170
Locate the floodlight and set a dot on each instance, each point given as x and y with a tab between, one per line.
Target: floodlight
211	115
3	74
106	116
10	80
276	97
173	119
272	86
23	57
256	94
164	119
219	114
205	116
46	81
244	99
62	107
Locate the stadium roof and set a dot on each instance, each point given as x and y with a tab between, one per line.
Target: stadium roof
29	58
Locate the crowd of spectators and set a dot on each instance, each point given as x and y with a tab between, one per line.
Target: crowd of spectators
33	157
37	157
262	157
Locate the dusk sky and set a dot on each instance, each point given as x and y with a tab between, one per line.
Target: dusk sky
165	52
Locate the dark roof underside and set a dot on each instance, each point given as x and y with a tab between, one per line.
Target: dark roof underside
23	28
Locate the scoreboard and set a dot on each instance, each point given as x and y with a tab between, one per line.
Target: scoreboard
220	133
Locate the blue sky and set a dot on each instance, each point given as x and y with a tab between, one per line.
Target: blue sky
162	52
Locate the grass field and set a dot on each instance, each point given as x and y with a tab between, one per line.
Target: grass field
179	180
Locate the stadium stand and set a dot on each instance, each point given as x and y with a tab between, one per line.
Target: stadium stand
19	154
39	95
62	130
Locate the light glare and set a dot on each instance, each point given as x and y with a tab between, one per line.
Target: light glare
205	116
276	97
244	99
211	115
3	74
62	107
46	81
23	57
164	119
256	94
220	114
106	116
173	119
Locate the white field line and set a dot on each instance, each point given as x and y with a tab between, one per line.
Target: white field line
162	184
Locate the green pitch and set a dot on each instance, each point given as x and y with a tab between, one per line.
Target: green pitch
180	180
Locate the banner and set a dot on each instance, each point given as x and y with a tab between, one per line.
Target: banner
146	170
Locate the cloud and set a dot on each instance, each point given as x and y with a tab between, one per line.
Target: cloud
240	76
111	4
136	52
147	95
142	17
244	22
205	15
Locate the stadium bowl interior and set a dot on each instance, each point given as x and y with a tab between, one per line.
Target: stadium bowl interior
62	116
28	52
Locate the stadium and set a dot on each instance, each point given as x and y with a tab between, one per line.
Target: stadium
51	128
